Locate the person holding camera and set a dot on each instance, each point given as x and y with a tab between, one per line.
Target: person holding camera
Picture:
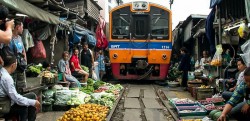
24	106
5	28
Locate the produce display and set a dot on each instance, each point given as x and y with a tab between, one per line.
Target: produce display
215	99
178	101
216	62
210	107
34	70
204	86
199	111
205	102
106	99
93	101
191	120
211	114
85	68
90	86
48	97
86	112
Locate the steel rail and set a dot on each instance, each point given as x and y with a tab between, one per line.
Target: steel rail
166	105
116	103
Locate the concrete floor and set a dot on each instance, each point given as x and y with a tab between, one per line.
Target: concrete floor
49	116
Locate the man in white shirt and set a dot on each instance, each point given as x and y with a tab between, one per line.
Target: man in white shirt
24	106
241	67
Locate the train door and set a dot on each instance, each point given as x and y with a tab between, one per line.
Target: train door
140	27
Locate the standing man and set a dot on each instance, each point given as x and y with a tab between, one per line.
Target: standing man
235	107
16	45
184	66
23	106
87	58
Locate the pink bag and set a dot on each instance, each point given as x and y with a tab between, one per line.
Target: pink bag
38	51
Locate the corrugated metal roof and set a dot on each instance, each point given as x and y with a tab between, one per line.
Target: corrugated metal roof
191	17
233	9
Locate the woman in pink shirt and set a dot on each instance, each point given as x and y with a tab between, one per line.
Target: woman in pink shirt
76	67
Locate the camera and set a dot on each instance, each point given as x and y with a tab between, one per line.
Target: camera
3	16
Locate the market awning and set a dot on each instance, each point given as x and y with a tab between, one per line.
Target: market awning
31	10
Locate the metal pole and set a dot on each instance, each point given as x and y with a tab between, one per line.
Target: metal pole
220	36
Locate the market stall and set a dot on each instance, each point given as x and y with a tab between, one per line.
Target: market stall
88	100
200	110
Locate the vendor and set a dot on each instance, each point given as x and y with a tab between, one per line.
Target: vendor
63	67
235	107
76	67
205	60
184	66
241	67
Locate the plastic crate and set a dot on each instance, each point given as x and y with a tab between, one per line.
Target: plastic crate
47	108
61	107
187	107
188	104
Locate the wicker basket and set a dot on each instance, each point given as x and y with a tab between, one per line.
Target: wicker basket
198	73
173	84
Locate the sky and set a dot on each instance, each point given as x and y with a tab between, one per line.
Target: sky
181	9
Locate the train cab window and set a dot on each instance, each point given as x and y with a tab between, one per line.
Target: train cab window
121	25
159	23
159	26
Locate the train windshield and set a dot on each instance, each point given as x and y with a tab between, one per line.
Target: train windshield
121	22
121	25
159	23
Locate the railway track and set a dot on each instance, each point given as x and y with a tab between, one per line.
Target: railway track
142	103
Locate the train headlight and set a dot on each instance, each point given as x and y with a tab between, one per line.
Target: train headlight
164	56
140	5
115	56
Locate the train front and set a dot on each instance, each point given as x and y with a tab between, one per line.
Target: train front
140	41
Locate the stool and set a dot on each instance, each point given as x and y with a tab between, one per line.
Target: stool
64	84
79	77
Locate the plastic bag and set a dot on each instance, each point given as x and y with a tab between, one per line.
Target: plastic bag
197	64
246	58
94	76
245	47
243	30
62	97
49	93
38	51
217	59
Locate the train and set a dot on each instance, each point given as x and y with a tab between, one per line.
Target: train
140	41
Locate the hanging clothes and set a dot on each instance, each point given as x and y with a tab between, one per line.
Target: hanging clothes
213	3
27	39
45	33
210	32
102	41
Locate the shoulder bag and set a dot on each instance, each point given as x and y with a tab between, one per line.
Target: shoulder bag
5	103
